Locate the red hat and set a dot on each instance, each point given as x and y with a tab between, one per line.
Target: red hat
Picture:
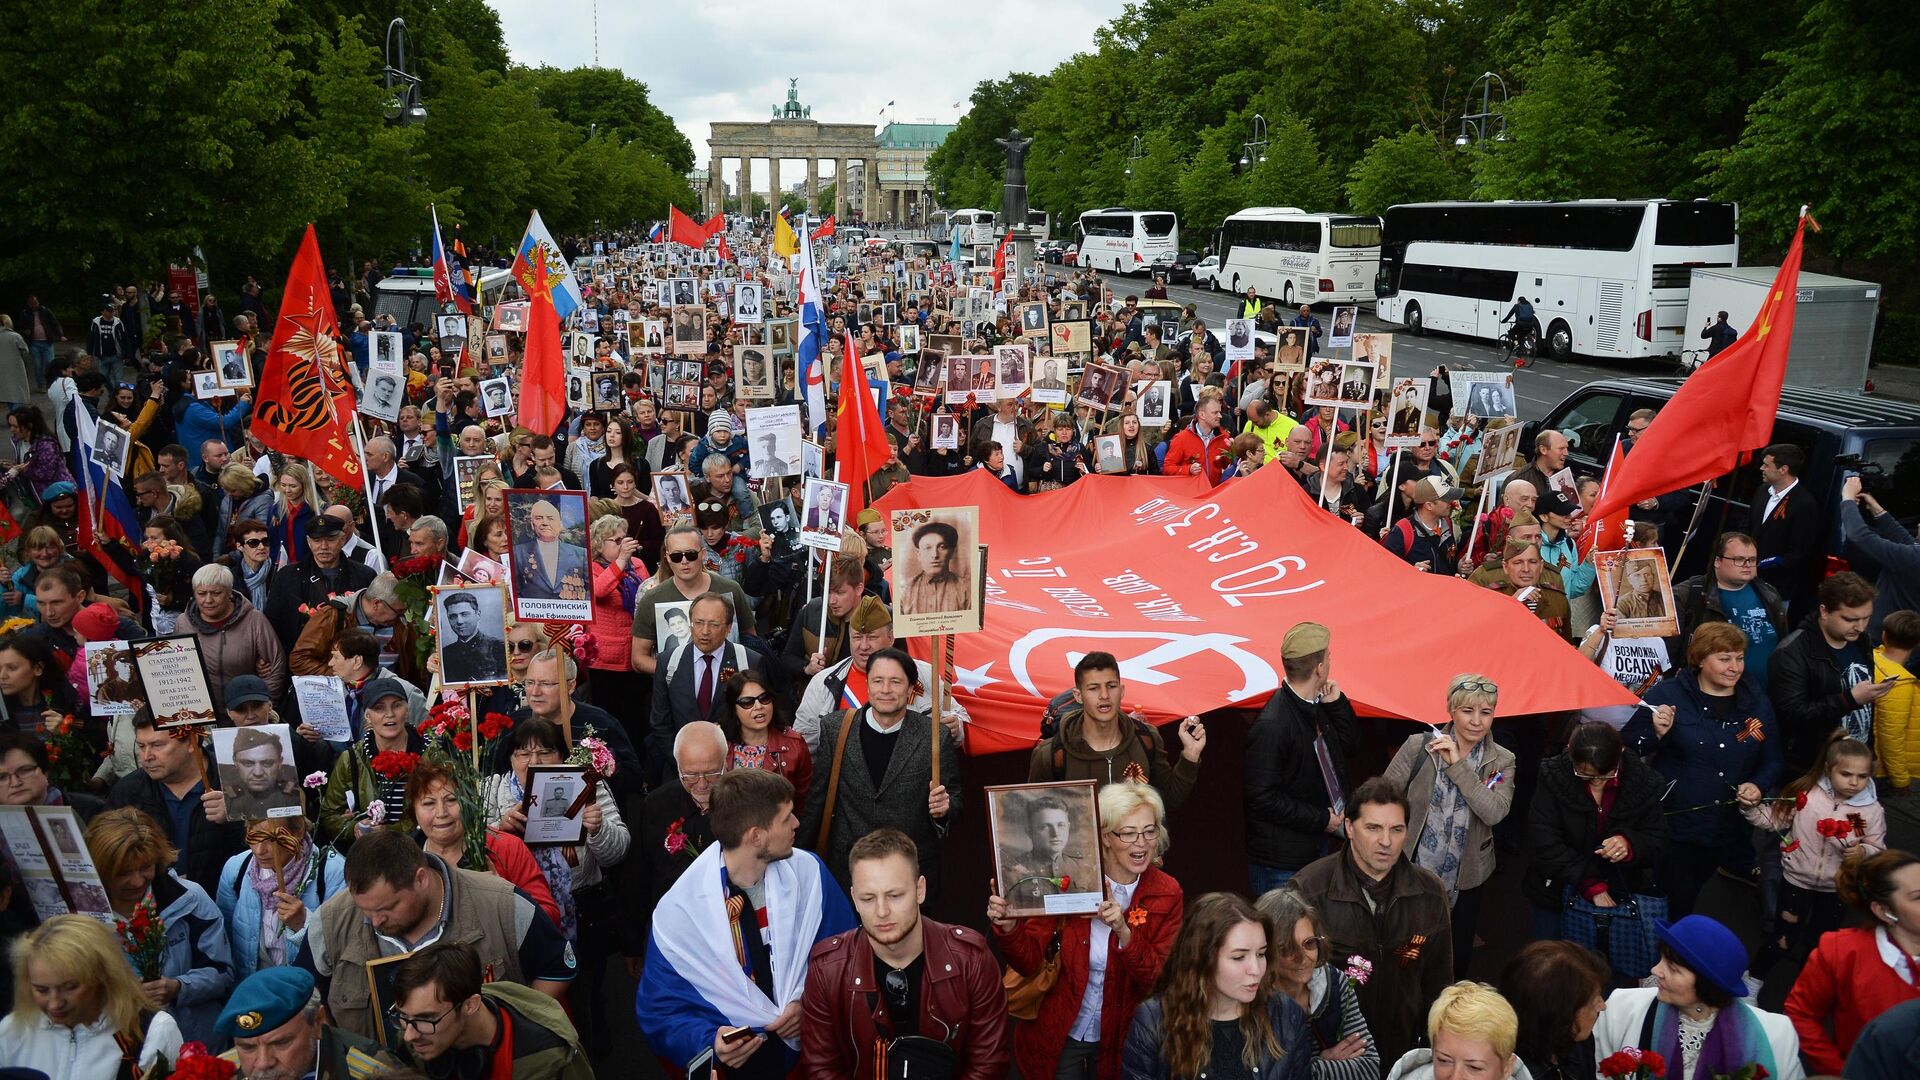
96	622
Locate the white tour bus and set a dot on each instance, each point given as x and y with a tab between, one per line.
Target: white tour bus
1294	257
1128	241
1606	277
974	226
1039	225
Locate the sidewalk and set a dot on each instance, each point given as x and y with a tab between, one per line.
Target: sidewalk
1895	381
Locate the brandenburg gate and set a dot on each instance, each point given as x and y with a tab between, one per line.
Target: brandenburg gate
793	133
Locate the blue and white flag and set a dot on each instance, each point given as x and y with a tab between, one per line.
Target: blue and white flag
538	245
694	982
811	368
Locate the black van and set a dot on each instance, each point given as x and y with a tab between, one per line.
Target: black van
1841	433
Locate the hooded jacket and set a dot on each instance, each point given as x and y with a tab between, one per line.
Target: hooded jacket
197	954
1141	755
243	644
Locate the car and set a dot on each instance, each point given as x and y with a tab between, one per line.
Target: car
1206	273
1071	256
1181	270
1840	432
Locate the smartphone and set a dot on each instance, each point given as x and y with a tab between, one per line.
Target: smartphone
739	1034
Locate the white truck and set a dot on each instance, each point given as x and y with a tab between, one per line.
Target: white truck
1832	324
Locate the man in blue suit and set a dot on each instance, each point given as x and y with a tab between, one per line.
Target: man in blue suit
546	567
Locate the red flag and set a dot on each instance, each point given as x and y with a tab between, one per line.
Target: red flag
1722	411
543	382
725	252
713	227
1605	533
303	404
824	231
10	526
860	444
682	229
1002	255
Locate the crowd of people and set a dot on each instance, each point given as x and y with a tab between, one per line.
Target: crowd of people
773	779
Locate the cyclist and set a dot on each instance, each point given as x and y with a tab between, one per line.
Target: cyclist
1524	322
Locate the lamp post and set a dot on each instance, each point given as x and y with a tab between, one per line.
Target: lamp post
403	87
1254	150
1135	154
1478	127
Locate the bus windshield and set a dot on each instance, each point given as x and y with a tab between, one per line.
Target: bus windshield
1157	224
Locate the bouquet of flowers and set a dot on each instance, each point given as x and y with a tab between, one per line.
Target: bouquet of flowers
417	574
160	565
450	732
71	757
195	1063
1634	1063
144	936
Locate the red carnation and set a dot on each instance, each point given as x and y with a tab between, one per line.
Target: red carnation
1800	801
394	764
463	740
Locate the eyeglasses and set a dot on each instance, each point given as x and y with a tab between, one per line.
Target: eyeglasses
529	753
1313	946
687	778
896	983
1595	778
683	556
1484	686
1130	837
422	1024
748	701
261	542
1427	444
19	775
1741	560
523	646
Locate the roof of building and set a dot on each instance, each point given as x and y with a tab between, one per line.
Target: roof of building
897	136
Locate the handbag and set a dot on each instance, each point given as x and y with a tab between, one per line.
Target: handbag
1024	992
1623	933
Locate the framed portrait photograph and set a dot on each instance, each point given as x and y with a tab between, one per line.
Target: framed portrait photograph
1406	413
496	397
1011	374
778	520
470	624
1356	385
381	974
1636	583
511	317
555	799
823	514
689	331
780	334
450	328
773	441
384	394
1046	847
466	469
547	531
651	337
753	373
1110	455
206	386
1375	349
1290	349
1049	384
1102	387
477	569
747	301
946	431
1155	404
1239	339
497	349
983	254
1483	395
1033	320
111	442
935	551
230	361
929	373
257	772
1499	451
606	391
944	344
685	292
672	493
174	678
909	337
1344	319
1323	385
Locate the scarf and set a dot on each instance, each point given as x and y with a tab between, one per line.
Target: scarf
1444	839
1736	1041
555	865
299	867
255	582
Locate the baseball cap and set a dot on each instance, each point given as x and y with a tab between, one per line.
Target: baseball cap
245	690
1552	502
1434	489
378	690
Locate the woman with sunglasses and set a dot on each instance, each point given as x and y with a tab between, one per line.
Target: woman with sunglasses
1301	968
760	734
1597	827
249	560
1459	783
1107	964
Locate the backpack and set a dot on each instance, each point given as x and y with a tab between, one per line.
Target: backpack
1060	708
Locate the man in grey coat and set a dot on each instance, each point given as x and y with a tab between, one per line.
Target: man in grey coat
881	773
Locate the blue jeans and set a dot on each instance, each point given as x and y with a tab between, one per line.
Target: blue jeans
1265	879
42	356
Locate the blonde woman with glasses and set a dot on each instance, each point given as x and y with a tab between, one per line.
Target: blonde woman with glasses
1459	783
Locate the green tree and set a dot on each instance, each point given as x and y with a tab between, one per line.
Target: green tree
1565	137
1294	172
606	101
823	197
1155	179
1406	168
968	163
1209	190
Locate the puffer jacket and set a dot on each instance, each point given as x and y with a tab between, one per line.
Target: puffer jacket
1896	723
1143	1058
240	905
197	955
244	644
1809	859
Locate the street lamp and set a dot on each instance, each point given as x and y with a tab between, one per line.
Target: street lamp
1134	155
1255	149
403	87
1477	127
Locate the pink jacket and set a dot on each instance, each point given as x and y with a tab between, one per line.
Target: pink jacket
1809	859
612	622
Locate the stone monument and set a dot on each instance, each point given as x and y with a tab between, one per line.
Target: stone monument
1013	205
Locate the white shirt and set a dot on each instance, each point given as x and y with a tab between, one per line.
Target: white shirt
384	484
1007	434
1086	1023
1774	498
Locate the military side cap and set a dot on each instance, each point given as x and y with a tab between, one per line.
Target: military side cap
871	615
265	1000
253	738
1304	639
869	516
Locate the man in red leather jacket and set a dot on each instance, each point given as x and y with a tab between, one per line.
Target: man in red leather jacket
877	992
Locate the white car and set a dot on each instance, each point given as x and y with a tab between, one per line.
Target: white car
1206	273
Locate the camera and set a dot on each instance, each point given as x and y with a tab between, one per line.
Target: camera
1873	475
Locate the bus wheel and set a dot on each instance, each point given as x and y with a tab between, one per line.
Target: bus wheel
1286	295
1415	324
1560	341
1236	284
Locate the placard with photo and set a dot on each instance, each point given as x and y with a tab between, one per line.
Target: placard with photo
1499	451
386	352
1072	338
672	494
450	331
606	391
684	293
497	354
935	553
579	389
1406	413
111	443
1110	454
747	299
946	431
1102	387
1050	379
1046	847
970	377
547	533
1636	584
1483	395
1155	404
555	803
1356	385
778	520
511	317
929	373
754	373
813	459
823	516
1345	317
47	847
945	344
383	395
470	627
1033	320
689	331
1290	349
230	364
774	435
1010	362
1239	340
112	687
652	339
174	680
496	397
206	386
465	469
1377	350
257	773
909	338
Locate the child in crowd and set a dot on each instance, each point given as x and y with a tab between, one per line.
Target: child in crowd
1896	716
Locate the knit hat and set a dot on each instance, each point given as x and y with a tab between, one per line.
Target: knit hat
719	418
96	622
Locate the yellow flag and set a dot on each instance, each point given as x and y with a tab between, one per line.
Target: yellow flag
785	242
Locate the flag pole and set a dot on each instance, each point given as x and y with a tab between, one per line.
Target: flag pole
826	574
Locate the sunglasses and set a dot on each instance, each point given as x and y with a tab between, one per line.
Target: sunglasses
524	646
683	556
748	701
254	543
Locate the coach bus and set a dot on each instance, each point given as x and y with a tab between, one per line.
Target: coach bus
1286	254
1039	225
1128	241
1606	277
974	226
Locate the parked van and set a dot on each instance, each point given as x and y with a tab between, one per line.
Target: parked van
1841	432
407	294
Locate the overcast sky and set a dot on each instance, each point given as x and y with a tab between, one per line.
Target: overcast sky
728	60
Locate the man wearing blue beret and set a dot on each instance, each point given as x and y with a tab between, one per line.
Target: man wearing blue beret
273	1018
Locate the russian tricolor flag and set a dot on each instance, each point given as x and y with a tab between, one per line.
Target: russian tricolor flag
657	233
444	276
810	371
108	528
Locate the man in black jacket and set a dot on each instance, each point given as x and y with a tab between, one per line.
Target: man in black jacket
307	584
168	787
1822	674
1785	523
1296	763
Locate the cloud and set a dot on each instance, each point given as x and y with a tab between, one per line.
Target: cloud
729	60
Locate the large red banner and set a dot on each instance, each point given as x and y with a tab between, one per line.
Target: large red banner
1192	590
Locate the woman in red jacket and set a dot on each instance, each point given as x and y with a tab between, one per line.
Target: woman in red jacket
760	734
1109	963
1855	975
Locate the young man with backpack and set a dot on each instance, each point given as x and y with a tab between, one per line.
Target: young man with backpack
1425	537
1089	737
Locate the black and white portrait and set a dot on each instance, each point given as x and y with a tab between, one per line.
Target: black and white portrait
384	397
686	293
1046	847
1155	404
774	436
110	445
606	391
554	805
496	397
230	360
747	302
671	494
1341	336
257	773
1011	362
778	520
824	514
1356	385
1033	320
753	373
471	624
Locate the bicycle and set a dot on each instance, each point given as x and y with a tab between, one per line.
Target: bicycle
1520	344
